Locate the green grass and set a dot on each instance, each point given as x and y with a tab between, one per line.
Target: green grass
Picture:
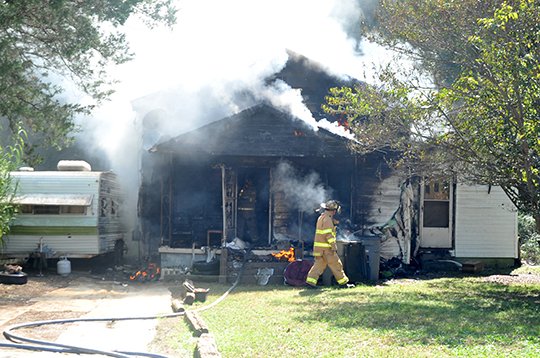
444	317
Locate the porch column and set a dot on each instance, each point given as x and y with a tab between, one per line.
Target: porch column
228	190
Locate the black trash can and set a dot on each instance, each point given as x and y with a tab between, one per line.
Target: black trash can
372	246
353	256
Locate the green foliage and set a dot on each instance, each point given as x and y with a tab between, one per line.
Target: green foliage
529	240
10	157
479	120
448	317
40	40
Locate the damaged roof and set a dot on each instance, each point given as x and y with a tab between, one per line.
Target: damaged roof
314	81
262	131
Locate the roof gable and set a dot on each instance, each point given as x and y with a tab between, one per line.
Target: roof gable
261	130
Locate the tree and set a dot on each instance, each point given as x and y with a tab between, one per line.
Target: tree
9	159
481	120
41	39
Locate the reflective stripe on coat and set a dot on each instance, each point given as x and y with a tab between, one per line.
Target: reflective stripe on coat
325	235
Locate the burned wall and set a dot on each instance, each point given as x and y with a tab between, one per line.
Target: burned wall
376	192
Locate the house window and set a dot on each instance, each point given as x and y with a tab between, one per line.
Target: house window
114	208
434	190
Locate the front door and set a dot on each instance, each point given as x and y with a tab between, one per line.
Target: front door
436	223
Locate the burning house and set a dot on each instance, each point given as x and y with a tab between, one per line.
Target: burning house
190	196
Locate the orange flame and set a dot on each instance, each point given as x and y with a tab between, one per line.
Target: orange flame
150	273
285	255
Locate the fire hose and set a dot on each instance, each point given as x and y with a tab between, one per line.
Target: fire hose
46	346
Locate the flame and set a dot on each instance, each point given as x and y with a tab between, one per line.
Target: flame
149	273
343	122
286	255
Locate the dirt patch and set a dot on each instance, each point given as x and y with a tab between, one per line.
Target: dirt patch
85	294
47	332
524	279
36	286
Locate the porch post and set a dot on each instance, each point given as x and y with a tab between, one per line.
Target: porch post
228	192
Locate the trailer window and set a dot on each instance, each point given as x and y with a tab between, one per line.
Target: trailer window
26	209
46	209
53	209
73	209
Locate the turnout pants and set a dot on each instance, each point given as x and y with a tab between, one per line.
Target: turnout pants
331	259
247	226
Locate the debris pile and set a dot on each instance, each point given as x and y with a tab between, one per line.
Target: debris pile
193	293
149	273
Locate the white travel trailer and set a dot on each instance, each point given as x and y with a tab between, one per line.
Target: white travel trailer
71	212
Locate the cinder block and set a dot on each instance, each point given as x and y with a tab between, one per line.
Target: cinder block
472	266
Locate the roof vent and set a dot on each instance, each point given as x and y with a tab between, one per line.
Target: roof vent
26	169
73	166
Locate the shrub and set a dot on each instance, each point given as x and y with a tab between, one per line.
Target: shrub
529	239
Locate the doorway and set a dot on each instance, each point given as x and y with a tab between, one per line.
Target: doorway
260	181
435	219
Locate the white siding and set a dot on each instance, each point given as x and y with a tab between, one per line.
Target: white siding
486	223
71	246
59	245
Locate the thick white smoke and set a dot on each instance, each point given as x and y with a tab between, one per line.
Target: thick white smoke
303	191
193	74
217	49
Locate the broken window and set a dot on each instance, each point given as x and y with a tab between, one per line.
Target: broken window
104	207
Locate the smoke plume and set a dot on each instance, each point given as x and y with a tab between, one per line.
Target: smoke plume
302	192
213	64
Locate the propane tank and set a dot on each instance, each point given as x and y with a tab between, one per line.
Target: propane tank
63	267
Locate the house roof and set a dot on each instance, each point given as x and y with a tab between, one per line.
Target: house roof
261	131
314	81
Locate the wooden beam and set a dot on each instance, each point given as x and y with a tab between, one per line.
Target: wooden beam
196	322
206	347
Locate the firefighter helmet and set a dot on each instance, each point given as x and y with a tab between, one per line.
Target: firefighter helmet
332	205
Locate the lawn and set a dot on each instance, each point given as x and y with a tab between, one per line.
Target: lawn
439	317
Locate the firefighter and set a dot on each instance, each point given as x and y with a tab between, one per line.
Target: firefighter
325	247
247	218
